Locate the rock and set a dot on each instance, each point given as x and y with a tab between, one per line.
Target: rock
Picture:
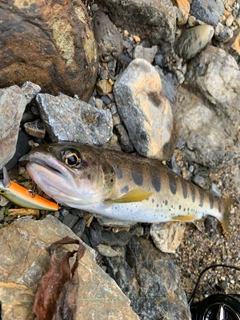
151	281
63	55
24	260
193	40
145	53
107	251
120	238
107	36
35	129
153	21
68	119
223	33
123	138
103	87
201	128
140	103
167	236
12	106
167	85
183	11
30	90
208	11
70	220
236	44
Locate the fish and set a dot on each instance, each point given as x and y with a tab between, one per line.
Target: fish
23	197
120	186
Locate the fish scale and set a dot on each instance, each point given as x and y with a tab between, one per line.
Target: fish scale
120	186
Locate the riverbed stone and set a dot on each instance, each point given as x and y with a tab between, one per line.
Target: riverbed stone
153	21
69	119
193	40
12	106
49	43
208	11
150	279
145	111
107	36
24	260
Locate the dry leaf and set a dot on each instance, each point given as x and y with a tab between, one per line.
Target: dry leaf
57	291
23	212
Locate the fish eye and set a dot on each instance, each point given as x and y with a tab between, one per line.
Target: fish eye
71	159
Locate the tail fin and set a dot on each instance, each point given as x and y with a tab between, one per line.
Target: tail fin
226	205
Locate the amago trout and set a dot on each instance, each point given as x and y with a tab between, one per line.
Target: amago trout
120	186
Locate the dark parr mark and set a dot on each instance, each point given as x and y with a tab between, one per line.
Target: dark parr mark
184	188
172	183
124	189
201	194
137	175
211	200
166	202
193	192
118	172
155	179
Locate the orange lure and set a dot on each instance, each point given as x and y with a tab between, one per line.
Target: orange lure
22	197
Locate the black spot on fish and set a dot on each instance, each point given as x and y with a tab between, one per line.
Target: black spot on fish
157	205
172	183
153	200
137	176
118	172
179	207
125	189
89	176
184	188
166	202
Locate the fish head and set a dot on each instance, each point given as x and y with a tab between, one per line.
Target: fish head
71	173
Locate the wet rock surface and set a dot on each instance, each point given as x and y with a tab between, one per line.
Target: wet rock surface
63	55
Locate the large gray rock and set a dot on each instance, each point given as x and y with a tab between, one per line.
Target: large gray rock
50	43
207	111
13	101
24	260
69	119
151	281
208	11
153	21
145	111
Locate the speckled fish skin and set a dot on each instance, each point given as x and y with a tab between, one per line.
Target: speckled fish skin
120	186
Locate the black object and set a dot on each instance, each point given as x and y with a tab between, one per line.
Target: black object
217	306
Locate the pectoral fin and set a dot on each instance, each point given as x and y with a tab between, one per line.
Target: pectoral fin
134	195
188	217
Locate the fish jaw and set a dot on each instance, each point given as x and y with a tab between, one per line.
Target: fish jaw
61	183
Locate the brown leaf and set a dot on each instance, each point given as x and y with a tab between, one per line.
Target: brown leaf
57	290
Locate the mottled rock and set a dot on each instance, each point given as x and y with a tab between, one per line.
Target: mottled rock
236	44
193	40
208	11
107	251
145	111
223	33
12	106
120	238
167	84
123	138
30	90
68	119
50	43
103	87
107	36
153	21
183	10
145	53
167	236
24	260
201	128
151	281
35	129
